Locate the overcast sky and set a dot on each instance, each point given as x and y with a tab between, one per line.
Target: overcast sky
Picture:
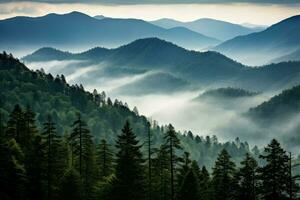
256	13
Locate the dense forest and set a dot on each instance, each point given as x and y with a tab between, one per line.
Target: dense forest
61	142
48	95
41	164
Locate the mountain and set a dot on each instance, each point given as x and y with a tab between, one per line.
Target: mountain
154	83
281	106
259	48
214	28
76	31
99	17
280	115
48	95
47	54
294	56
198	68
227	93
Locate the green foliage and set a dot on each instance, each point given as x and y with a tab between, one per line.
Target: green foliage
129	182
275	174
71	186
223	177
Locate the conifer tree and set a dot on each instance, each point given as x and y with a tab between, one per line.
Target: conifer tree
129	182
189	188
184	169
83	148
275	173
104	159
51	147
172	144
248	179
71	186
16	124
223	177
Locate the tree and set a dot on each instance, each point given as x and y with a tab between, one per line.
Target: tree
184	169
223	177
71	186
12	170
129	182
204	180
82	146
16	124
172	144
275	173
51	146
104	159
161	174
248	179
190	187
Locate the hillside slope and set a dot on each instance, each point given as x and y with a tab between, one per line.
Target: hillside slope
259	48
49	95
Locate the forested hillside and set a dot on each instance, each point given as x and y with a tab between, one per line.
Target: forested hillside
48	95
66	143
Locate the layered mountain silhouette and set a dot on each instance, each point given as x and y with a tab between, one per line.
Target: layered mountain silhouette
257	48
294	56
206	68
77	30
215	28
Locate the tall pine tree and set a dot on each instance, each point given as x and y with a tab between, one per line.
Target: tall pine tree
129	182
223	177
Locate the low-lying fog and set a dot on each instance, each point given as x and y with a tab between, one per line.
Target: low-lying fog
223	118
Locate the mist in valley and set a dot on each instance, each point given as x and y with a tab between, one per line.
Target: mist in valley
183	108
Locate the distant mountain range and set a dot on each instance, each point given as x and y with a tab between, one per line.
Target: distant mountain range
262	47
207	68
215	28
294	56
77	30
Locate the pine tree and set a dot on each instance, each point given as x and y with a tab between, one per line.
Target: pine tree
12	171
172	144
16	124
83	148
204	182
51	147
104	159
275	173
129	182
189	188
223	177
161	175
184	169
248	179
71	186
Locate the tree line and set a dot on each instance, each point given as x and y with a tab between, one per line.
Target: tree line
44	164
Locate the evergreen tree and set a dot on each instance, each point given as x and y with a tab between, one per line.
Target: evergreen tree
12	171
275	173
223	177
71	186
16	124
172	144
190	187
82	146
204	182
161	175
129	182
104	159
248	179
51	147
184	169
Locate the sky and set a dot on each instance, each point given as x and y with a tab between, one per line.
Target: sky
255	13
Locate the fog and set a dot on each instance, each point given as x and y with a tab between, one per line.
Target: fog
222	117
